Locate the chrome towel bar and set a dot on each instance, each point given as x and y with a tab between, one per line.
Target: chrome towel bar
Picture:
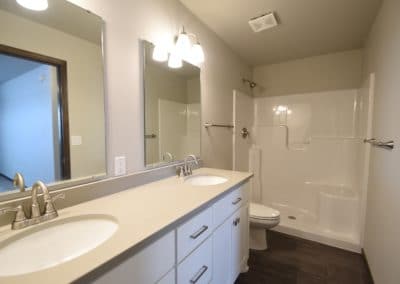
389	145
207	125
150	136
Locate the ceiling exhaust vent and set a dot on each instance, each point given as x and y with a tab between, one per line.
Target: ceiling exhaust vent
263	22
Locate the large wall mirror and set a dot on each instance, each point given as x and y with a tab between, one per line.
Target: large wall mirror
52	124
172	110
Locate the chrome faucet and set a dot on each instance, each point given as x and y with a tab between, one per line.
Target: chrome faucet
187	170
169	155
19	182
49	212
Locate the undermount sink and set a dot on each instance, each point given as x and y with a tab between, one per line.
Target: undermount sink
205	180
51	244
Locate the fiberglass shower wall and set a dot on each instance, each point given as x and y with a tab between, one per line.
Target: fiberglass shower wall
310	160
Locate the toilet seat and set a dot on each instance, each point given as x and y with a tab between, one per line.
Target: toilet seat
262	212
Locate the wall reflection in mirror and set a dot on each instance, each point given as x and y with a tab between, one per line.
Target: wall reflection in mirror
172	110
51	94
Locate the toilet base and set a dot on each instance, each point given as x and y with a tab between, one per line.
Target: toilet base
258	238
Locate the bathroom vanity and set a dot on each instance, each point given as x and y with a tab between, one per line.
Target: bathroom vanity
169	231
189	229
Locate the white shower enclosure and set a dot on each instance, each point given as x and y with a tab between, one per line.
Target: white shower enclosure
309	160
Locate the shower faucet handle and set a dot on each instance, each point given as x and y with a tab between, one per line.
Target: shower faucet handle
245	133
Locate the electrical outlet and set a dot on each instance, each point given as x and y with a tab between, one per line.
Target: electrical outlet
120	166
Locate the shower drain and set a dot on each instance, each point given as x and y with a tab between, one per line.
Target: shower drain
292	217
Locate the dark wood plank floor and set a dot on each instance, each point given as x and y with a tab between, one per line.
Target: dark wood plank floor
291	260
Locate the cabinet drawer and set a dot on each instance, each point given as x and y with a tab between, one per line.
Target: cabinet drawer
197	267
192	233
225	207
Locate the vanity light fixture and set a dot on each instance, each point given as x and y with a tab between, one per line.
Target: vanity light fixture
197	53
36	5
160	54
183	45
182	50
175	61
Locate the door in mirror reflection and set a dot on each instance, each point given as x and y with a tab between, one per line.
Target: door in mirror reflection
34	138
172	110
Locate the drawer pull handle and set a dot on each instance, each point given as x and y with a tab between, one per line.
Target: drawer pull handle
237	201
199	232
199	274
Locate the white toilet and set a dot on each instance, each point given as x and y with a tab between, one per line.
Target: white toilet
261	219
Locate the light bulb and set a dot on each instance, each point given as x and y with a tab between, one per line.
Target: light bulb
175	61
197	53
36	5
160	54
183	45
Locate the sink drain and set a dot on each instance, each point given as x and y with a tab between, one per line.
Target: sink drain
292	217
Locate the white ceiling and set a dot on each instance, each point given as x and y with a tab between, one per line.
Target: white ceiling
12	67
61	15
307	27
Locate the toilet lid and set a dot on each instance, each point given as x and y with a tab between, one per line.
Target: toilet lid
259	211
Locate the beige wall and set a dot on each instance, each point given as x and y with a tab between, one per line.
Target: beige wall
193	87
382	228
337	71
126	23
85	88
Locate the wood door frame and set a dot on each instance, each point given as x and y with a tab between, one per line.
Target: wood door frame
61	66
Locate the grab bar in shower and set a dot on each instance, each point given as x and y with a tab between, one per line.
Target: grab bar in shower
389	145
207	125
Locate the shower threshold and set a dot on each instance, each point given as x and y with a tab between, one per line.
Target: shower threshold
292	226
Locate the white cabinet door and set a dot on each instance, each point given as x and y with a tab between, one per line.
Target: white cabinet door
222	253
245	239
145	267
239	239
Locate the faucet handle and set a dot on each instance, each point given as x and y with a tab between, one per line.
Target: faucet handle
50	206
20	214
58	196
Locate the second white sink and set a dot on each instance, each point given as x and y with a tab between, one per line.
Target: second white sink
49	245
206	180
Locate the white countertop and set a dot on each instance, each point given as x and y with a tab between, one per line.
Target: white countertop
141	212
